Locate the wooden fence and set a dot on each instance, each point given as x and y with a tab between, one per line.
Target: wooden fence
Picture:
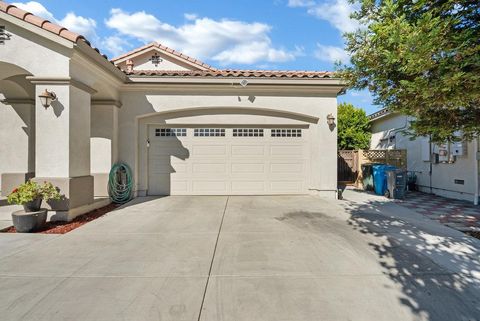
350	162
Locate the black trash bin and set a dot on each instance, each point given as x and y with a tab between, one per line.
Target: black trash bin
396	183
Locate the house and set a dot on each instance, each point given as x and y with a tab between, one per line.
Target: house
184	127
449	170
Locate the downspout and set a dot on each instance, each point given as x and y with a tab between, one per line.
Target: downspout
476	172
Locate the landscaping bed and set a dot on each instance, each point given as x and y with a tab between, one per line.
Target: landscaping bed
474	234
65	227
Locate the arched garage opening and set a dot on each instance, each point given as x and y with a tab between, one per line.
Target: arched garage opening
225	151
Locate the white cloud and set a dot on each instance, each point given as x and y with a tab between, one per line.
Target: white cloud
190	16
115	45
300	3
336	12
226	41
331	54
37	9
78	24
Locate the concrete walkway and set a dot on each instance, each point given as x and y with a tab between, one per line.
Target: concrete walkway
245	259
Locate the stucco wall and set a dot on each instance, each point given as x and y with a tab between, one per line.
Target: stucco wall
17	138
443	176
323	141
34	53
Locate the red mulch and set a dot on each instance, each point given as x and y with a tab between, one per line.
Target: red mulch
65	227
474	234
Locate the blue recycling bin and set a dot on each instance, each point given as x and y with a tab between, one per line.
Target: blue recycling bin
380	178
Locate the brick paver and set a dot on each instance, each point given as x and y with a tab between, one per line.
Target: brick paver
461	215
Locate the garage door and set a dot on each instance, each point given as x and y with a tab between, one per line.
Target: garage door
227	161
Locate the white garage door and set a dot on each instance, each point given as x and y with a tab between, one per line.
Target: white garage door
227	161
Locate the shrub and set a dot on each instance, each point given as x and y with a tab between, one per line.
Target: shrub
30	191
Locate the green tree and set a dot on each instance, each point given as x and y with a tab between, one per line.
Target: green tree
353	128
420	58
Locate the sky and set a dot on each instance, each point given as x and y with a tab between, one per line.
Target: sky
236	34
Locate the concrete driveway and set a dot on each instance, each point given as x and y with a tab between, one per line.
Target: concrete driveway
244	259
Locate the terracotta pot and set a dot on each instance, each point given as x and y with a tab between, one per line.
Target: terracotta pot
33	206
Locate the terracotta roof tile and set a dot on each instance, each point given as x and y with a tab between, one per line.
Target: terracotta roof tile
233	73
17	12
56	29
39	22
35	20
43	23
209	72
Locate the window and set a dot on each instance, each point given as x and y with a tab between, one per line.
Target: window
286	133
209	132
170	132
247	132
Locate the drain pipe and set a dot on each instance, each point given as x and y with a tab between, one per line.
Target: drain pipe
476	160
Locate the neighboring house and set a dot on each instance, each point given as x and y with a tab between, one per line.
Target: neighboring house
450	171
184	127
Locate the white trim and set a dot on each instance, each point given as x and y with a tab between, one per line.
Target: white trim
61	81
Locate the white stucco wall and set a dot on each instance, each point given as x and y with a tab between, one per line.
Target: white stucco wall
323	175
443	176
103	141
17	138
38	55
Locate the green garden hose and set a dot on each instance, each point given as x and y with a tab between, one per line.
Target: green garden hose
120	183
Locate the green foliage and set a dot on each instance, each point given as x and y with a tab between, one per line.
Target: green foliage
49	192
353	128
420	58
29	191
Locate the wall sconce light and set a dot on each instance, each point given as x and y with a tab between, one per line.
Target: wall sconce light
330	120
47	97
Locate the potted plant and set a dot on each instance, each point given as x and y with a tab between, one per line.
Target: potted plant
30	194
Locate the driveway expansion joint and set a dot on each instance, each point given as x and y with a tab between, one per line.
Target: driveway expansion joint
213	259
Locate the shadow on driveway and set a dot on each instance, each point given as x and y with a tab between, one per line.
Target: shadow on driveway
437	268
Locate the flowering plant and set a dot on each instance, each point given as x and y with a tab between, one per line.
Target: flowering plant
30	191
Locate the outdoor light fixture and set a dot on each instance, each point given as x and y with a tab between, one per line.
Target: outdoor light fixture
156	60
47	97
330	120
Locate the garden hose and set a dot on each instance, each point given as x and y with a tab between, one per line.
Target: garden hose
120	183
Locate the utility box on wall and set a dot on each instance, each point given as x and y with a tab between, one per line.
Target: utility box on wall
459	148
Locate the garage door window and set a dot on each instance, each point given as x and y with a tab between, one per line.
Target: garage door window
170	132
286	132
209	132
247	132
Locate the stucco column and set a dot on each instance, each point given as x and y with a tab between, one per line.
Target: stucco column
63	142
103	142
323	148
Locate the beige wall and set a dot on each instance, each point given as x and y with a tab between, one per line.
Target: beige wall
17	138
103	145
443	176
137	105
34	53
